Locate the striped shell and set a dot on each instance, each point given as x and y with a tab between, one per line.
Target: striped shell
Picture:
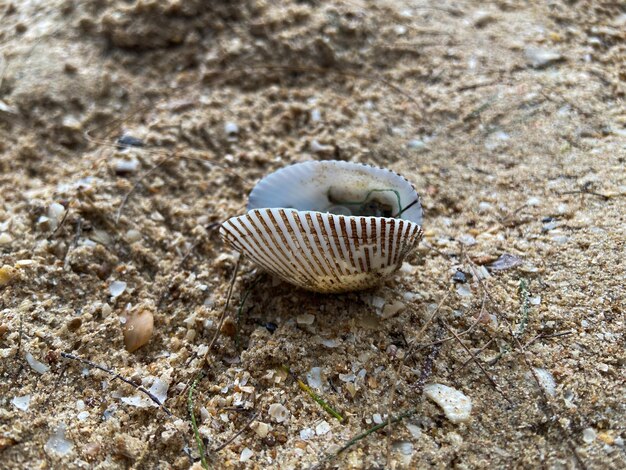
311	224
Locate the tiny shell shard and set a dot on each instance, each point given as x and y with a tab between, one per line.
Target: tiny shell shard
329	226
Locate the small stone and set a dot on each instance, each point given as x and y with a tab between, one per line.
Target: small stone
5	238
57	444
56	211
316	115
231	128
322	428
132	236
538	57
416	144
125	167
589	435
305	319
37	366
262	429
414	429
378	302
246	454
467	240
546	380
391	310
117	288
456	405
505	261
138	328
316	147
306	434
464	290
533	201
459	277
278	412
128	140
21	403
404	447
377	418
314	377
7	274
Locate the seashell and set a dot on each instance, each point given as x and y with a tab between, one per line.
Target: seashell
328	226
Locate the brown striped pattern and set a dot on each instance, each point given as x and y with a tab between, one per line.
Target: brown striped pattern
322	252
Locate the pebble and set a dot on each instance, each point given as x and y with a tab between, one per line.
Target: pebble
414	429
37	366
56	211
21	403
132	236
416	144
128	140
5	238
378	302
158	389
459	277
246	454
124	167
314	377
456	405
539	57
546	380
231	128
589	435
138	329
377	418
306	434
316	147
57	444
117	288
404	447
464	290
262	429
316	115
391	310
467	240
278	412
322	428
305	319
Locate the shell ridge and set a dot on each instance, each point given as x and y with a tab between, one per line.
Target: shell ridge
287	237
280	242
238	225
313	233
304	235
345	229
299	240
325	226
286	268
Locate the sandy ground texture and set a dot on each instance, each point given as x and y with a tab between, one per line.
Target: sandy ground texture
508	117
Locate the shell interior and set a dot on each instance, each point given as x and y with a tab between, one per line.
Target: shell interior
338	187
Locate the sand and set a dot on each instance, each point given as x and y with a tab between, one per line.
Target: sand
508	118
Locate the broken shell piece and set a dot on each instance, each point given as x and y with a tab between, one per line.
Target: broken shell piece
456	405
138	329
278	412
329	226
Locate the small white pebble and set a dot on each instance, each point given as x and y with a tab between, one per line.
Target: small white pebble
57	444
377	418
132	236
278	412
56	211
416	144
535	300
306	434
123	166
378	302
467	240
546	380
83	415
539	57
455	404
37	366
246	454
414	429
404	447
5	238
117	288
316	147
314	377
262	429
322	428
533	201
316	115
602	367
21	403
231	128
589	435
463	290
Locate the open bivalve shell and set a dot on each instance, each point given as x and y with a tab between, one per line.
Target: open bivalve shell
329	226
